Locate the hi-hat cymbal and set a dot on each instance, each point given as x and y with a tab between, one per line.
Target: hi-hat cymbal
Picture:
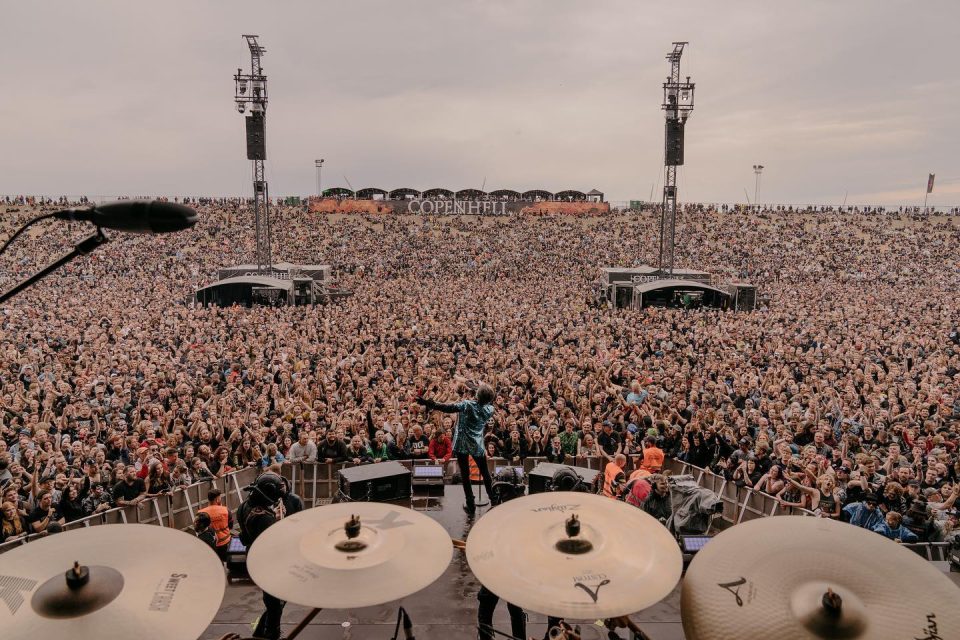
621	561
133	581
311	559
807	578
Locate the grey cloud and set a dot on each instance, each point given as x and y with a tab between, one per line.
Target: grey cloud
121	97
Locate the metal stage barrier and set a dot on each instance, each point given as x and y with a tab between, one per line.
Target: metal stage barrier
317	484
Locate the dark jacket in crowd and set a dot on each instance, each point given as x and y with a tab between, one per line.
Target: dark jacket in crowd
336	451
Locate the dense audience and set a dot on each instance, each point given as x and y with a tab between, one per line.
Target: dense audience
842	396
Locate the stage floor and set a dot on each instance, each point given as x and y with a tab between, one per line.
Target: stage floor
446	610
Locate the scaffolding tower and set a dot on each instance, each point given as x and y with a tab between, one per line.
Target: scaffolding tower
251	91
677	107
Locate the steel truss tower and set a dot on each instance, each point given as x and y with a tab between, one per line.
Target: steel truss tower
251	90
677	107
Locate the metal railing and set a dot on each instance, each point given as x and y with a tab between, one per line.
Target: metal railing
742	504
317	484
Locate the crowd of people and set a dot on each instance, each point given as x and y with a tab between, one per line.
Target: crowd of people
842	396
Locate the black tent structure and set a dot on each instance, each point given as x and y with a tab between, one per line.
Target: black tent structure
338	192
570	195
247	291
404	193
371	193
437	194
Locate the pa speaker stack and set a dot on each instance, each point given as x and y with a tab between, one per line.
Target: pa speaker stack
380	482
541	477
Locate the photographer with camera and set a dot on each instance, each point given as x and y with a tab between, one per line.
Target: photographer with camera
255	515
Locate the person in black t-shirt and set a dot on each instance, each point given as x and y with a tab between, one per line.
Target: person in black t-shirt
610	442
332	449
130	490
43	514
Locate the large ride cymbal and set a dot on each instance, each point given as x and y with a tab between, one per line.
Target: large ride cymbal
311	559
807	578
621	561
132	581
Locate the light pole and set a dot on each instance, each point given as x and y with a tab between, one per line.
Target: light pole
757	169
319	165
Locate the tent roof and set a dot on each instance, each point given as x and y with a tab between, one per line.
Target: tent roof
263	281
646	269
644	287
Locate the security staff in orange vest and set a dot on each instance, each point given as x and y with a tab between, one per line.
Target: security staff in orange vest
652	456
613	476
221	521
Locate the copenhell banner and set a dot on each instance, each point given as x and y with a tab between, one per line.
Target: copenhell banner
458	207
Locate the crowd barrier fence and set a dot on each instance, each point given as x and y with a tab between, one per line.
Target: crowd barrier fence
317	484
742	504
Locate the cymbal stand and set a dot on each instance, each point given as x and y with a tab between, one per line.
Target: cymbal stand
303	624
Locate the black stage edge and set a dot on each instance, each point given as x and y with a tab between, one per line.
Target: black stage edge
446	610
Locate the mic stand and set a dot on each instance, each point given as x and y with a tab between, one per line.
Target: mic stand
84	247
479	501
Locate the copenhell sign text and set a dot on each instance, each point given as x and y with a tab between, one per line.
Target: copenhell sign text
458	207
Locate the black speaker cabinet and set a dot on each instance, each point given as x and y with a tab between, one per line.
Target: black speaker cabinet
379	482
541	475
674	142
256	138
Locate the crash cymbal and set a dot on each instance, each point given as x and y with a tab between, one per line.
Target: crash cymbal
806	578
317	559
132	581
621	560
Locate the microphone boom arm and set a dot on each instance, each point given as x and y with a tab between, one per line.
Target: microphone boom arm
82	248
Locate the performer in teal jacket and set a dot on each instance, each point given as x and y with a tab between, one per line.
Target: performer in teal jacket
468	437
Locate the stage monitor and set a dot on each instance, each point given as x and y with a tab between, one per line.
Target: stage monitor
427	471
236	546
693	544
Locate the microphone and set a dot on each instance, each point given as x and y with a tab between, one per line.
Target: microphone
407	626
135	216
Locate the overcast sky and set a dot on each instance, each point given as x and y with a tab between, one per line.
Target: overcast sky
859	97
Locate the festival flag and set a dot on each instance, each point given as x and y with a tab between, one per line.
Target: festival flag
930	183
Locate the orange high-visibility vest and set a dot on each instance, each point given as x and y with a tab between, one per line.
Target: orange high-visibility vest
474	470
652	459
610	473
219	522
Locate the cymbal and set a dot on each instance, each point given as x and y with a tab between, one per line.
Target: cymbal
621	561
133	581
805	578
311	559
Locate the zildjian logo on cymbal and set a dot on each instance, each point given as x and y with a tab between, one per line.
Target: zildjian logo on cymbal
932	632
593	593
729	586
556	507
